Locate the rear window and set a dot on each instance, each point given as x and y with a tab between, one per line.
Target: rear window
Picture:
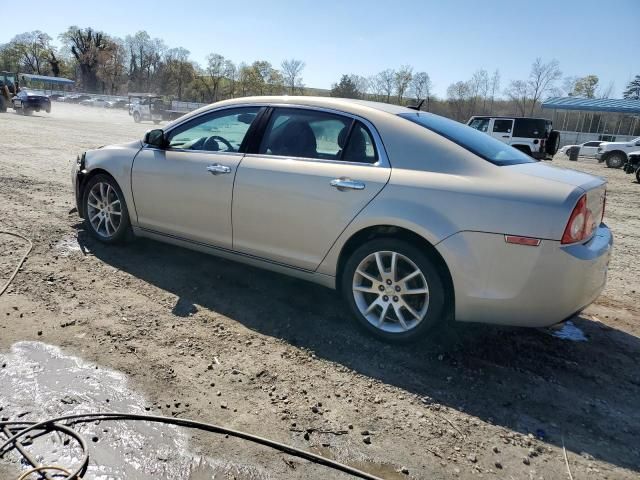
481	144
530	128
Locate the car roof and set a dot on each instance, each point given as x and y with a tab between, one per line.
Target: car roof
510	117
347	105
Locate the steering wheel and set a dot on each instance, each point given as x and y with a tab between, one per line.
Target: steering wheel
226	142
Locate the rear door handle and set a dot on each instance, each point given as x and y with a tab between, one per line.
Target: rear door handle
217	169
343	184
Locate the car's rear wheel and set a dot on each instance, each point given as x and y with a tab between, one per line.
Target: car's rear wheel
3	104
615	160
638	174
394	289
136	117
106	214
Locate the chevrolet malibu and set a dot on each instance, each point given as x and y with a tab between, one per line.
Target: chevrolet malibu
414	218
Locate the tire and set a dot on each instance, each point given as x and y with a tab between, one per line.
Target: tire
3	104
136	117
553	143
101	221
48	109
638	174
429	307
156	122
615	160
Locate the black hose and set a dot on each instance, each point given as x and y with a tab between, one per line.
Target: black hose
52	424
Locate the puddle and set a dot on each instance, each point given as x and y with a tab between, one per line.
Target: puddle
568	331
39	381
68	246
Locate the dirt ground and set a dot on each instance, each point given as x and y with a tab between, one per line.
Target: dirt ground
216	341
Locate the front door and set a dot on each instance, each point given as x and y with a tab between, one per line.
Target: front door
186	189
313	173
502	129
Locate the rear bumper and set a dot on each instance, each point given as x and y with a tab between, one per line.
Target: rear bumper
496	282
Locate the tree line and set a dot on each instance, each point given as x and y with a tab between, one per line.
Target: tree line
102	63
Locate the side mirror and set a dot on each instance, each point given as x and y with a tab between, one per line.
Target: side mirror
155	138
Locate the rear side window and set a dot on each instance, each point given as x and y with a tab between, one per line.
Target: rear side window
485	146
502	126
320	135
530	128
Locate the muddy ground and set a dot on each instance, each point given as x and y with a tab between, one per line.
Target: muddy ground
217	341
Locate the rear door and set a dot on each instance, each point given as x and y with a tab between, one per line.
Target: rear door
502	129
589	149
312	173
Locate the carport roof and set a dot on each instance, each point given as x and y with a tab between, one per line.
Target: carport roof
44	78
615	105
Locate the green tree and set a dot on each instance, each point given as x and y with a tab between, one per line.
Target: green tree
88	47
632	90
586	86
345	88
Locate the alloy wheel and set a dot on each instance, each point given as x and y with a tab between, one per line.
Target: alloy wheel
391	291
104	209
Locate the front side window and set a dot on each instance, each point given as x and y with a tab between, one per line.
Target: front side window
221	131
485	146
320	135
481	124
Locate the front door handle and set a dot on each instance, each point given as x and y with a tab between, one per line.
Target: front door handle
343	184
505	136
217	169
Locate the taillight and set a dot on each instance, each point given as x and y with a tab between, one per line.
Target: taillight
580	224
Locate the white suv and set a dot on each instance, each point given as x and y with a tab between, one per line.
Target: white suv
533	136
615	154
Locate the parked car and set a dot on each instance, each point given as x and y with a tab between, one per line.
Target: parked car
633	164
533	136
27	102
414	218
116	104
77	98
94	102
586	149
614	154
58	97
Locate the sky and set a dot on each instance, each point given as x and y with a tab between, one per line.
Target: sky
449	39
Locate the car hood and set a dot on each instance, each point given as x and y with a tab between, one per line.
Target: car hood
559	175
616	144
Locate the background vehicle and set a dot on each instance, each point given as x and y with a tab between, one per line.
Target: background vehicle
614	154
27	102
8	88
77	98
146	106
413	217
633	164
121	103
94	102
533	136
586	149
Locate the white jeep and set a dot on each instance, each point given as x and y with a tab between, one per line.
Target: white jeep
616	154
533	136
146	108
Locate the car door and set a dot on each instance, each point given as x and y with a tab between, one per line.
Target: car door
502	129
589	149
312	173
185	189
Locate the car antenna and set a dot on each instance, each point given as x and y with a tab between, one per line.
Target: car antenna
418	106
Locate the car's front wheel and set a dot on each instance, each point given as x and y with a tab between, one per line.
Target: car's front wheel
615	160
106	214
394	289
136	117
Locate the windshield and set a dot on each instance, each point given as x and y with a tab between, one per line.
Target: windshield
481	144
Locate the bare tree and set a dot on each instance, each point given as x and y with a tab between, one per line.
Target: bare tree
34	49
478	86
459	95
215	69
605	92
542	79
231	73
494	87
402	80
87	47
385	81
291	70
518	92
421	87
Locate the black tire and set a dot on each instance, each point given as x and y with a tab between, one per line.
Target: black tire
136	117
638	174
615	160
48	109
3	104
125	223
156	122
437	309
553	143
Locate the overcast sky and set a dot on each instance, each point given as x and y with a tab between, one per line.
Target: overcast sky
447	39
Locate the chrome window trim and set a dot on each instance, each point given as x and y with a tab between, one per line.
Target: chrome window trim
383	158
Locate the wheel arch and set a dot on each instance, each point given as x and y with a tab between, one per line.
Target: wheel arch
400	233
613	152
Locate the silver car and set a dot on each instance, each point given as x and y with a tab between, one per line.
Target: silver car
414	218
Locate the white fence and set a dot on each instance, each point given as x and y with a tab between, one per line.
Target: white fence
575	138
